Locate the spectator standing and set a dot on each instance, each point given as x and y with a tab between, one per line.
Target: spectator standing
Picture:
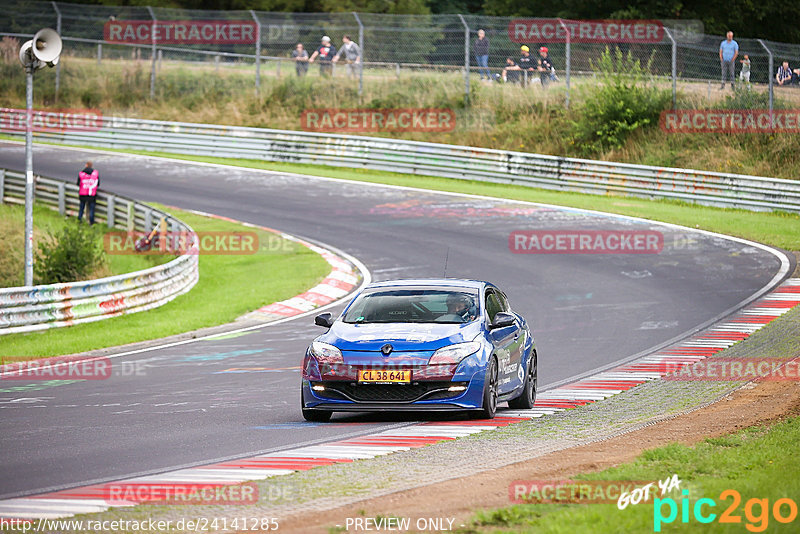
88	183
728	51
325	53
784	74
352	56
545	67
300	57
744	75
481	48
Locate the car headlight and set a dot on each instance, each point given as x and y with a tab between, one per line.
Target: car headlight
326	353
452	354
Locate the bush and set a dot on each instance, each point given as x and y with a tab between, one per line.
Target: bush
71	255
622	102
747	98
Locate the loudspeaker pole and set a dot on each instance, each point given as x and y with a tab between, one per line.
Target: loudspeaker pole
29	175
41	51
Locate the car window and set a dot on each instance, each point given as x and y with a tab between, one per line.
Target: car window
503	301
413	306
493	305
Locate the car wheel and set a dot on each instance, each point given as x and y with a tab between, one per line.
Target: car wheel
314	416
528	397
489	393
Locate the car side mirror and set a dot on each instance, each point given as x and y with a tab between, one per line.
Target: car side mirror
324	319
502	319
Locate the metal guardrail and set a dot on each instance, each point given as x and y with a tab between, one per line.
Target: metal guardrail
449	161
26	309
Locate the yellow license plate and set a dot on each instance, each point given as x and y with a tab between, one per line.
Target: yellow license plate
384	376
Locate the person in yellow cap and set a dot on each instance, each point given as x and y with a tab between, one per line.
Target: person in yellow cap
525	63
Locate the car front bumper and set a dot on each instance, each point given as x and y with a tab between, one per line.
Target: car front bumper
347	396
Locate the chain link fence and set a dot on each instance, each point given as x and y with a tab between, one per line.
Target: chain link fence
434	54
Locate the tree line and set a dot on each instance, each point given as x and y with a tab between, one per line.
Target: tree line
776	20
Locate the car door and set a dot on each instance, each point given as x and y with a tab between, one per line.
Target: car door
516	373
504	341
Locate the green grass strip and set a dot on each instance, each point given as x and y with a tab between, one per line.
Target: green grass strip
229	286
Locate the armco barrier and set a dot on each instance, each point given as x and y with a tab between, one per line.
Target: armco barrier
450	161
25	309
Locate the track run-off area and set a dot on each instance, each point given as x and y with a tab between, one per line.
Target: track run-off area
230	397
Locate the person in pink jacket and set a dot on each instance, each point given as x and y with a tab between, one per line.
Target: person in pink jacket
88	182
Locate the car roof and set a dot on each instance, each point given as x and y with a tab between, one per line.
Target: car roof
433	282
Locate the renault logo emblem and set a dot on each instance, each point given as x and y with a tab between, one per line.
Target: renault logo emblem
386	349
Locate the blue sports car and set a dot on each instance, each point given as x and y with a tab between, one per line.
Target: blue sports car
446	345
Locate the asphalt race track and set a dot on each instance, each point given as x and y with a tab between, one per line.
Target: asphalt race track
239	395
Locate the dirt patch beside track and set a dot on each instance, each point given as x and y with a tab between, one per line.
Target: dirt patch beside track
761	403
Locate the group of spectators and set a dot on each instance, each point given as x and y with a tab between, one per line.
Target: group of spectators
524	70
327	55
729	51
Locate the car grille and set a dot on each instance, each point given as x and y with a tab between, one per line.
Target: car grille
389	392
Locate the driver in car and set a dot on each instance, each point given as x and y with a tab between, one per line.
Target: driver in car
459	309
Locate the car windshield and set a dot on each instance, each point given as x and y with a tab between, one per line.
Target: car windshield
413	306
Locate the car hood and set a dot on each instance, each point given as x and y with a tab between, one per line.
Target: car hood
402	336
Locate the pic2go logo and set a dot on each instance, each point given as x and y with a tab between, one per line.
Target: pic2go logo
756	511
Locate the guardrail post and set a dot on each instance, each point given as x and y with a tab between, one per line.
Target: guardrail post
258	50
361	44
62	201
99	53
771	78
568	60
397	67
2	185
174	230
153	54
216	63
148	220
674	68
58	65
466	59
130	222
110	207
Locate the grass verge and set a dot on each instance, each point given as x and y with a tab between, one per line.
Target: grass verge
752	462
229	286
